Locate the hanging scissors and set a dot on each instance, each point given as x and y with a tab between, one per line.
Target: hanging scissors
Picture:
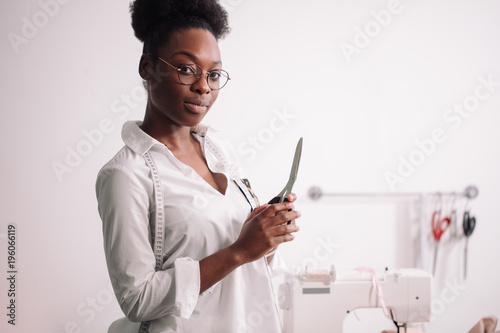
439	226
282	196
469	224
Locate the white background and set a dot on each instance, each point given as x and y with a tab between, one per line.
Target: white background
74	65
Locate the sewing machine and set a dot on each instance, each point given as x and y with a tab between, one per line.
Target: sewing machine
318	301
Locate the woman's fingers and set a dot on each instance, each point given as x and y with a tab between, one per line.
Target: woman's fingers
266	228
274	209
284	229
257	210
281	214
284	217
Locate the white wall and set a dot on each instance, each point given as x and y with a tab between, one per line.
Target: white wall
77	72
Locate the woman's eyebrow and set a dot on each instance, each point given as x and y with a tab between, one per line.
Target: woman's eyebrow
194	57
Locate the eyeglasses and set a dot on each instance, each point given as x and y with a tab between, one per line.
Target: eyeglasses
190	74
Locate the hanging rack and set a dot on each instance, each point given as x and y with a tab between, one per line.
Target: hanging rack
315	193
469	193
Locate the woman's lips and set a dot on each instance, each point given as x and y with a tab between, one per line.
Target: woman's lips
196	107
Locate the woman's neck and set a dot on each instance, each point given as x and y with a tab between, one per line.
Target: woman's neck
175	137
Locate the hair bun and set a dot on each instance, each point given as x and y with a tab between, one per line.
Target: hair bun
148	14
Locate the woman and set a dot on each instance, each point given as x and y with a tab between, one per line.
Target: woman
213	252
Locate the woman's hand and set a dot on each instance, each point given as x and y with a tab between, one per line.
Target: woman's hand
265	229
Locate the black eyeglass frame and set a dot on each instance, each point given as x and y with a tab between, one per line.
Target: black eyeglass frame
178	70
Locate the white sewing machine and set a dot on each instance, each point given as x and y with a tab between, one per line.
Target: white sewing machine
318	301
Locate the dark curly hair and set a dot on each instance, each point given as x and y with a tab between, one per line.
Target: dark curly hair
153	21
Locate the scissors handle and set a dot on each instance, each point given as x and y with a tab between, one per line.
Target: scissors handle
469	224
278	200
439	225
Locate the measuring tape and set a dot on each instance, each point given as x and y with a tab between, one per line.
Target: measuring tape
243	184
160	220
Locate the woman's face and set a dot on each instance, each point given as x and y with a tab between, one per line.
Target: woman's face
170	100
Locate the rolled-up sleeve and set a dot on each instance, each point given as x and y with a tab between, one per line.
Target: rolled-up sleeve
143	293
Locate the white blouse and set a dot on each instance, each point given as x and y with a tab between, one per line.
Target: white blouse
199	221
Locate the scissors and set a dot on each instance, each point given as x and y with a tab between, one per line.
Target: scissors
469	223
282	196
439	226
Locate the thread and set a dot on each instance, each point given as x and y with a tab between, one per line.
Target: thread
317	274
